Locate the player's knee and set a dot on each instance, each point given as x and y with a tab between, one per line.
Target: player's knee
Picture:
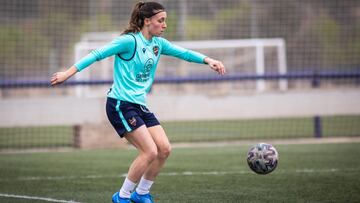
164	152
151	155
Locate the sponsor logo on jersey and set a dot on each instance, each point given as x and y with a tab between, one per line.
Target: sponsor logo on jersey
144	75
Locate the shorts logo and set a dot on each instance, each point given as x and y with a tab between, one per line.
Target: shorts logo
132	121
156	50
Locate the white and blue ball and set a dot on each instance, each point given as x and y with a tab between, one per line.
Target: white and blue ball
262	158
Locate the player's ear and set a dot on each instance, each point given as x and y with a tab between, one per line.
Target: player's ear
147	21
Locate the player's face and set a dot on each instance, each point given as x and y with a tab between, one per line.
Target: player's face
157	24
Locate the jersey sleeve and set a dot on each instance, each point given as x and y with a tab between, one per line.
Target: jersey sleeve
180	52
120	45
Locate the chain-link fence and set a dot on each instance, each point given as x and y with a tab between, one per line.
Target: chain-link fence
321	41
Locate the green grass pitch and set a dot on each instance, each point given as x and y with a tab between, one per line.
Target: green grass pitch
195	131
306	173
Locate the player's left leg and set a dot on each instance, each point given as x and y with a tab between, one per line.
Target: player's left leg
142	192
164	149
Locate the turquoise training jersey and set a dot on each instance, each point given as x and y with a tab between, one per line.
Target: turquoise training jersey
135	63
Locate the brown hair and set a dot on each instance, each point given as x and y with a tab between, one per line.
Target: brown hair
141	11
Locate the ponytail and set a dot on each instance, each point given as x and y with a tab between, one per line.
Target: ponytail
141	11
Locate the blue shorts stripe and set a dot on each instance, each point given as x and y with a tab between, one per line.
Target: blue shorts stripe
122	117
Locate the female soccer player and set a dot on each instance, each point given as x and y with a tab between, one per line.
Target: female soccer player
137	52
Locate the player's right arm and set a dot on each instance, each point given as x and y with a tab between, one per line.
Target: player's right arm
60	77
120	45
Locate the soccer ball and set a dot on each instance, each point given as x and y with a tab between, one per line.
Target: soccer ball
262	158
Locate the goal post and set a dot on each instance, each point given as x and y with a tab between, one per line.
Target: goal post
258	44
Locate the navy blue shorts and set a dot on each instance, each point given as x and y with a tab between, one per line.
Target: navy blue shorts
126	116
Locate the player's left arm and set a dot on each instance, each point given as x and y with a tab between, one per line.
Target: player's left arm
191	56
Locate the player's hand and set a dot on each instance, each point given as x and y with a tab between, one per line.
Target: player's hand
60	77
216	65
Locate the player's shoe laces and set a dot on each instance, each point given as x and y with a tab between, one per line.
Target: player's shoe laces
147	198
117	199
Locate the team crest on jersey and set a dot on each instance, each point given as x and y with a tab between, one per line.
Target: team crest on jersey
132	121
156	50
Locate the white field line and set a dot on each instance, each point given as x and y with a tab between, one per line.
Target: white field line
185	173
36	198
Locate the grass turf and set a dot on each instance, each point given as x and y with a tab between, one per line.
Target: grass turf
195	131
306	173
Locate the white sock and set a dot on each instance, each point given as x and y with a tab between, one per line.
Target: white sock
144	186
127	188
